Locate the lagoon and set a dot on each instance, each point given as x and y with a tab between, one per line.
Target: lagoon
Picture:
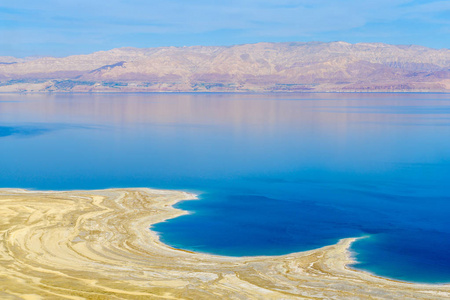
276	173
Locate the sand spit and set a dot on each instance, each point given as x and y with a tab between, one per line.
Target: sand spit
96	245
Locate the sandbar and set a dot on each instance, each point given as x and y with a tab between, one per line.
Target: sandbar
97	245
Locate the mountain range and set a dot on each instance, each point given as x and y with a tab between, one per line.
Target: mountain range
261	67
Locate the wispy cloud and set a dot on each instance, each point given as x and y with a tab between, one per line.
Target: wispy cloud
162	21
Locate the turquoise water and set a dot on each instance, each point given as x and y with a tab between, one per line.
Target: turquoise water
275	174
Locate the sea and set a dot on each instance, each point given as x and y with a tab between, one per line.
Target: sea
274	173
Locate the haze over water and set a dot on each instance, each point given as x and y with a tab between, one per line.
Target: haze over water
276	173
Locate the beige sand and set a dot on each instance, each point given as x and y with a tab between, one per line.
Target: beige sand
96	245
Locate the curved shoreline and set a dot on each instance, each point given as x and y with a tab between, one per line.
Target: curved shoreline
96	244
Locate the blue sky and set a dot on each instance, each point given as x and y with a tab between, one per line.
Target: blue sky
66	27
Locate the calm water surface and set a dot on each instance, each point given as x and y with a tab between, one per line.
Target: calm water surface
275	173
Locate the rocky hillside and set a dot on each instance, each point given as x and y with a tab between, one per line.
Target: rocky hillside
262	67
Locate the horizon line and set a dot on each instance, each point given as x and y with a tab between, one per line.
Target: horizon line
227	46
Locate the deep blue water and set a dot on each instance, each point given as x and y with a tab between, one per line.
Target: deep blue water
275	173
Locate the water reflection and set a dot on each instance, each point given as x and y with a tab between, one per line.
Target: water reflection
296	170
236	110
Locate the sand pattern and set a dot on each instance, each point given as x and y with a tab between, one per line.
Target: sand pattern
96	245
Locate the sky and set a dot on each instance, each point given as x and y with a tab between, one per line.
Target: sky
68	27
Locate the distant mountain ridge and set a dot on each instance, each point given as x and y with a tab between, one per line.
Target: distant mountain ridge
261	67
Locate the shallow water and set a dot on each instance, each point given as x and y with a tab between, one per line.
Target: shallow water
275	173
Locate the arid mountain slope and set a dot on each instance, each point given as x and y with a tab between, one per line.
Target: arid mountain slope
313	66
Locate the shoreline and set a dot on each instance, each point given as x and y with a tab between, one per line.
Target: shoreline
218	92
71	244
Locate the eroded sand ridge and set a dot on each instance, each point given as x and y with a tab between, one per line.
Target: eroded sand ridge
96	245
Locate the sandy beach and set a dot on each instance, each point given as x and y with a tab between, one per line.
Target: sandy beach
97	245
